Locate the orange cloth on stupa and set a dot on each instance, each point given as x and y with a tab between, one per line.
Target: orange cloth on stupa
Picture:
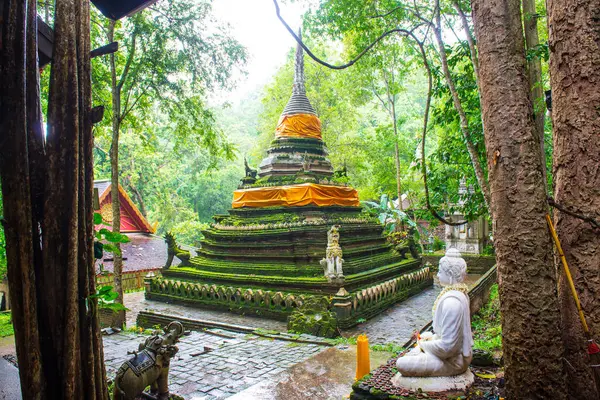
299	125
296	195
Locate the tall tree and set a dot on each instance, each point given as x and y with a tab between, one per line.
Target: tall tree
361	24
47	193
574	41
384	71
168	60
528	299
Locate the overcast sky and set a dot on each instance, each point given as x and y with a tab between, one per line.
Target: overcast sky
255	25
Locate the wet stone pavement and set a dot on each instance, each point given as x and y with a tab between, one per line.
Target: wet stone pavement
397	323
234	363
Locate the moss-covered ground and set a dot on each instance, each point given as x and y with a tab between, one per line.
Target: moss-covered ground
487	331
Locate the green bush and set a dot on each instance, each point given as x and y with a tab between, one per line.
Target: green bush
438	244
6	327
487	330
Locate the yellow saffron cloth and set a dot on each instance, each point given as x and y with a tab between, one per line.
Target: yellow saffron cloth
299	125
296	195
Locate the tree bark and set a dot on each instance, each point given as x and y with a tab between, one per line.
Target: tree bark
528	296
574	41
47	190
119	319
535	75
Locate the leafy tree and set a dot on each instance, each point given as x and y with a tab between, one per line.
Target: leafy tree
172	55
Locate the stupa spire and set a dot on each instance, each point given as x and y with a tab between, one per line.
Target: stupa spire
298	103
299	68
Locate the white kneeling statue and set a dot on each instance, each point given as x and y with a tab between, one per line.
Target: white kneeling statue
448	351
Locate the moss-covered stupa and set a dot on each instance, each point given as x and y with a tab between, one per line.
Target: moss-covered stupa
276	246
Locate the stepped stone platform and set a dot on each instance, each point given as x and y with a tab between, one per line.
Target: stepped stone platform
295	231
250	265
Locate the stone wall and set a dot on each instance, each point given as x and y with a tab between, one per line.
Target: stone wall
4	289
476	264
480	293
349	307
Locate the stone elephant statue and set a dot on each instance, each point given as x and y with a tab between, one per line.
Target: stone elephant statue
149	366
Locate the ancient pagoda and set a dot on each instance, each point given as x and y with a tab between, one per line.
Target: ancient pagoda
295	230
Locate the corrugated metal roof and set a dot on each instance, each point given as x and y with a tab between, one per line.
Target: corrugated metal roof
101	185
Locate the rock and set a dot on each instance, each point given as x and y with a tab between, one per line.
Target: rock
482	358
314	318
435	384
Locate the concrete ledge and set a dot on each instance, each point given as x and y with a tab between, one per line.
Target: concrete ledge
476	264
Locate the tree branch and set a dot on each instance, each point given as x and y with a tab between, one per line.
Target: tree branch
128	62
349	63
423	137
427	105
393	10
576	213
470	40
464	123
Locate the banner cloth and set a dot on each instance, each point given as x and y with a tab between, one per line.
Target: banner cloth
296	195
299	125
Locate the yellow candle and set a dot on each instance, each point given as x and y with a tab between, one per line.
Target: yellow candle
363	364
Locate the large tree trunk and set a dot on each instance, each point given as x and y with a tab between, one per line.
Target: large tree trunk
528	296
47	191
535	74
574	38
119	319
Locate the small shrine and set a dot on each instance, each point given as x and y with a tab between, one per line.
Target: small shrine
469	238
294	232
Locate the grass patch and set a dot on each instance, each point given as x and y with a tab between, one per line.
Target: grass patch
389	347
487	331
6	327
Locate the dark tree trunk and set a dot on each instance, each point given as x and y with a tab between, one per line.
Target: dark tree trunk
574	39
528	296
47	191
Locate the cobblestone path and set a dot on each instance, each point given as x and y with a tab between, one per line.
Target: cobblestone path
397	324
236	362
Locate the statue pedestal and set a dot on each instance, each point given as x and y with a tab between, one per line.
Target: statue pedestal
435	383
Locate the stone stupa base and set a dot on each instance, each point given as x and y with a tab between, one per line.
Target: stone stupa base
435	384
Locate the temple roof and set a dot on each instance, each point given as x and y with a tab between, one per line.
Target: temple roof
299	103
132	219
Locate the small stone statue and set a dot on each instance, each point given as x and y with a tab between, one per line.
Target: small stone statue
333	261
173	250
250	173
249	176
149	366
448	352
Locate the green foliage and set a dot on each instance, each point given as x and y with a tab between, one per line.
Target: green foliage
487	330
172	149
389	347
489	250
389	216
6	327
438	244
106	297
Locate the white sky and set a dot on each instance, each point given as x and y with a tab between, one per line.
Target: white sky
255	25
